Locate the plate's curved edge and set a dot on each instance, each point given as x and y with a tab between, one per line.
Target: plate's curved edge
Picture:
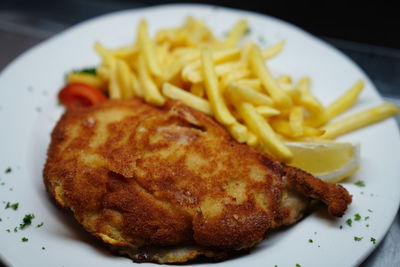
389	222
173	6
4	261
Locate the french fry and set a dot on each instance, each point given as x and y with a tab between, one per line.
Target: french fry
251	83
122	52
273	50
100	49
311	103
239	132
187	98
252	139
312	132
282	127
162	53
172	70
113	88
103	73
147	49
296	121
186	55
126	51
234	76
227	67
280	97
304	85
284	78
344	102
151	93
248	95
257	124
267	111
236	33
217	58
359	120
198	32
315	121
136	85
196	76
89	79
218	105
124	79
104	53
245	52
293	92
165	36
307	99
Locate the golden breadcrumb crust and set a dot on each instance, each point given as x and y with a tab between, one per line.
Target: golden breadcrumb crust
172	181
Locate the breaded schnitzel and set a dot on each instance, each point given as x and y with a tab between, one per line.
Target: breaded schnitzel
168	184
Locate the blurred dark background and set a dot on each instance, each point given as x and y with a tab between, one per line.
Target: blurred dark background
371	22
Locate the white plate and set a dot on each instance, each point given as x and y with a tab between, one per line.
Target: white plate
28	111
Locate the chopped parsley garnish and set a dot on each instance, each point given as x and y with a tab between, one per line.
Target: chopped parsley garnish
26	221
360	183
24	239
366	218
356	238
367	225
91	71
12	206
8	231
43	248
39	225
373	240
15	229
369	210
357	217
310	241
2	183
1	219
341	227
298	265
248	31
8	170
349	222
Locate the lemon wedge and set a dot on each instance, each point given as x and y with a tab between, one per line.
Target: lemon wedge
327	160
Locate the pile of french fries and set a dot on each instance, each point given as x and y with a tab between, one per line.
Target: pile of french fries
229	80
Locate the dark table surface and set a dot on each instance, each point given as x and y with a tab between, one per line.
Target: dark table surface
20	30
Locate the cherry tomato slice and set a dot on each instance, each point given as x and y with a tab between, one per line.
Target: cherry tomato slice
75	95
